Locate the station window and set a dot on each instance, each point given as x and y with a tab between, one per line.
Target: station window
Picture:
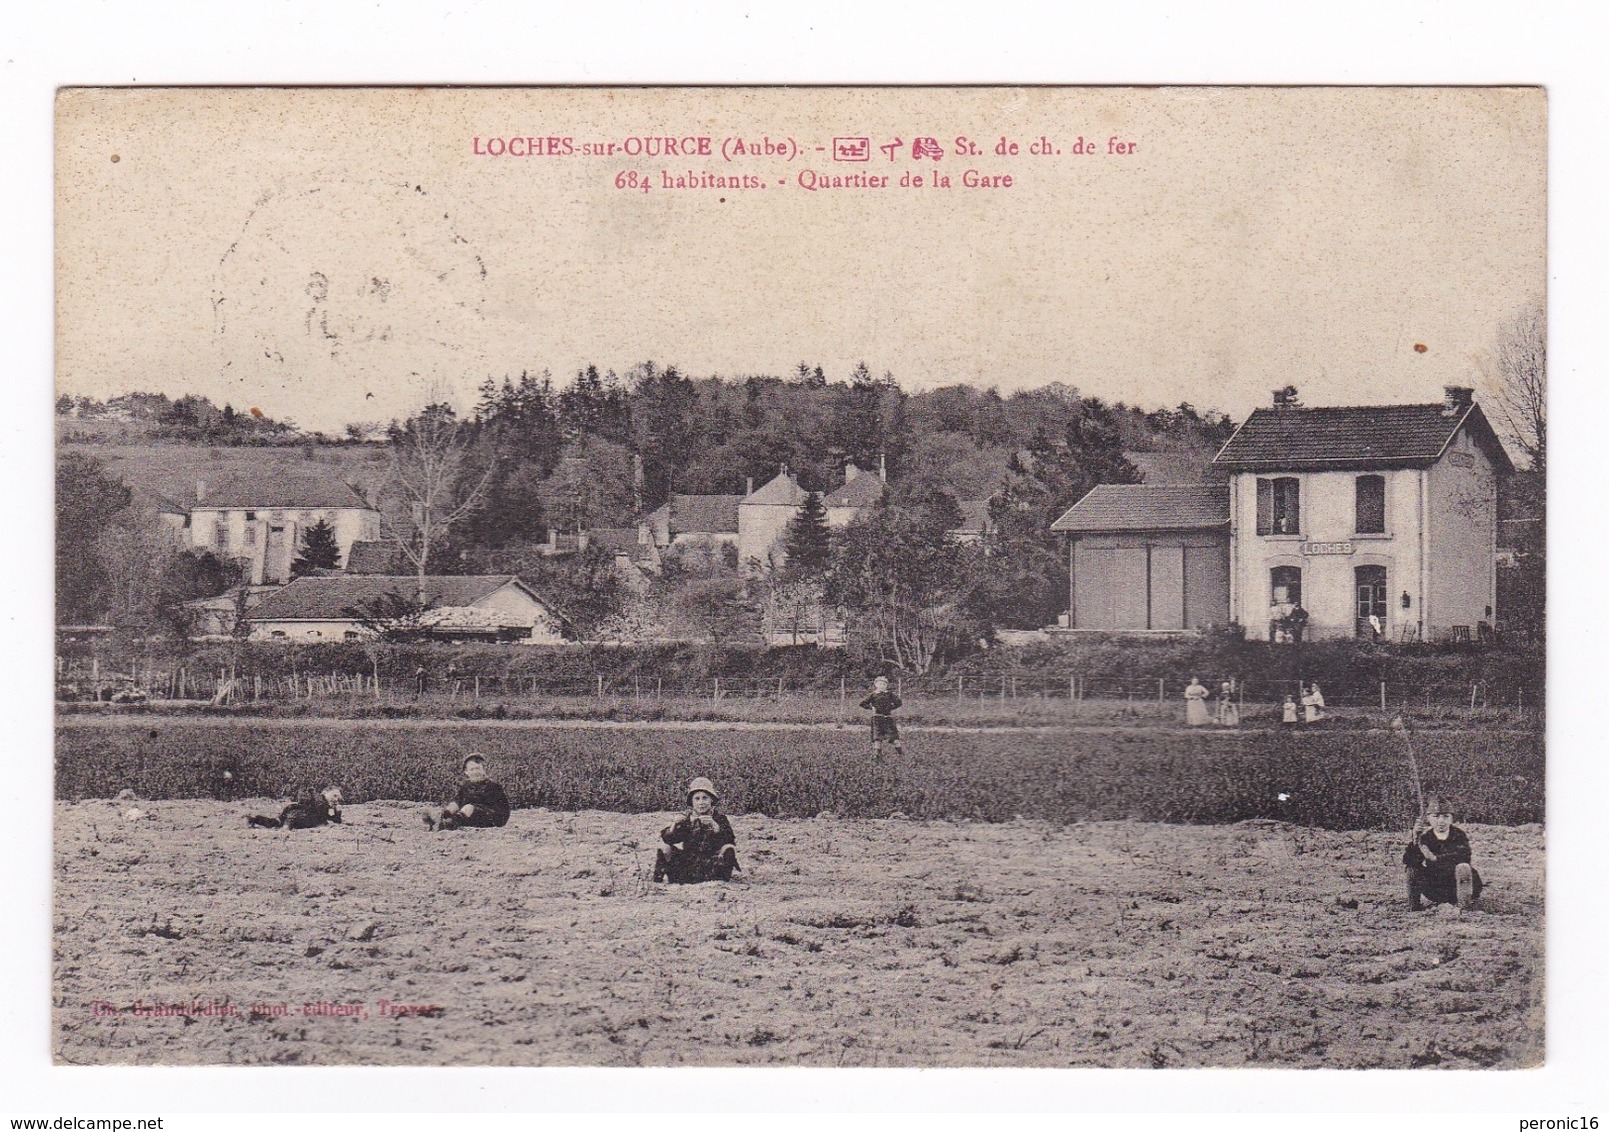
1371	505
1279	506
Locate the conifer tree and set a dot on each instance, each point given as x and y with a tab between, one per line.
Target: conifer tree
320	551
808	541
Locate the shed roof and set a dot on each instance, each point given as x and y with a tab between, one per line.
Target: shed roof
334	598
862	491
1353	436
704	514
1147	507
375	558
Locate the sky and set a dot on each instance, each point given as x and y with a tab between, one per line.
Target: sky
339	255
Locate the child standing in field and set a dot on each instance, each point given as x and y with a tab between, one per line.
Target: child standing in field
1228	710
1438	861
480	804
1287	714
700	845
883	704
314	810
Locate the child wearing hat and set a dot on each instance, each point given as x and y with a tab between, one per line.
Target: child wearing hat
700	843
883	704
1437	861
314	810
480	804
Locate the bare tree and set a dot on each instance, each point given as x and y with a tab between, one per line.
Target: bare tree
430	483
1520	374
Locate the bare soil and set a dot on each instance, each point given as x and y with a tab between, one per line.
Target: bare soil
888	942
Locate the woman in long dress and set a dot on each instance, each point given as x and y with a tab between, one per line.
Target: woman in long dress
1195	704
1313	704
1228	710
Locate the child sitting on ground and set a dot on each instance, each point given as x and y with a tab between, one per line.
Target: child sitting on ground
314	810
1438	861
480	804
883	705
700	842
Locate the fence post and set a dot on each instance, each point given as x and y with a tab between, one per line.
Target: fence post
1472	688
1382	695
477	685
958	691
1159	692
779	689
659	688
843	699
600	685
717	687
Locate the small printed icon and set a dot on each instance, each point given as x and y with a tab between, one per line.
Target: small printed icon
926	147
851	149
891	147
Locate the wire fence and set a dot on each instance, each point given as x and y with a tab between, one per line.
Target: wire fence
88	681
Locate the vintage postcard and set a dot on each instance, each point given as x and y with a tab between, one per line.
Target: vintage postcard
920	577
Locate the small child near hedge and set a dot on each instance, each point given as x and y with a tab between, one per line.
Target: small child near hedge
883	705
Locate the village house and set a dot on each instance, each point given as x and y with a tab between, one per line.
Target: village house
468	607
261	520
1349	521
695	520
762	521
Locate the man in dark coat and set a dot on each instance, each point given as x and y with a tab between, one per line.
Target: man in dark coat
701	842
314	810
883	704
480	804
1438	861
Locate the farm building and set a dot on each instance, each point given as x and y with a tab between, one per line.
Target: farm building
497	607
261	520
1148	557
1384	512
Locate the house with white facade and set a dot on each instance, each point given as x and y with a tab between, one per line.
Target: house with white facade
762	520
261	520
1365	515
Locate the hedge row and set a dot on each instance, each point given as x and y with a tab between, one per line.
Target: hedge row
1341	781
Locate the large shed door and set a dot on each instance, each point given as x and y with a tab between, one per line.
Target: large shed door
1129	588
1092	586
1167	587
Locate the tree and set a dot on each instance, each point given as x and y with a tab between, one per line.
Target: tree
87	500
720	604
900	576
320	550
1520	371
807	540
426	489
1025	586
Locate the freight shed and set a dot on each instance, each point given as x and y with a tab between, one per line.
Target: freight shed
1148	557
